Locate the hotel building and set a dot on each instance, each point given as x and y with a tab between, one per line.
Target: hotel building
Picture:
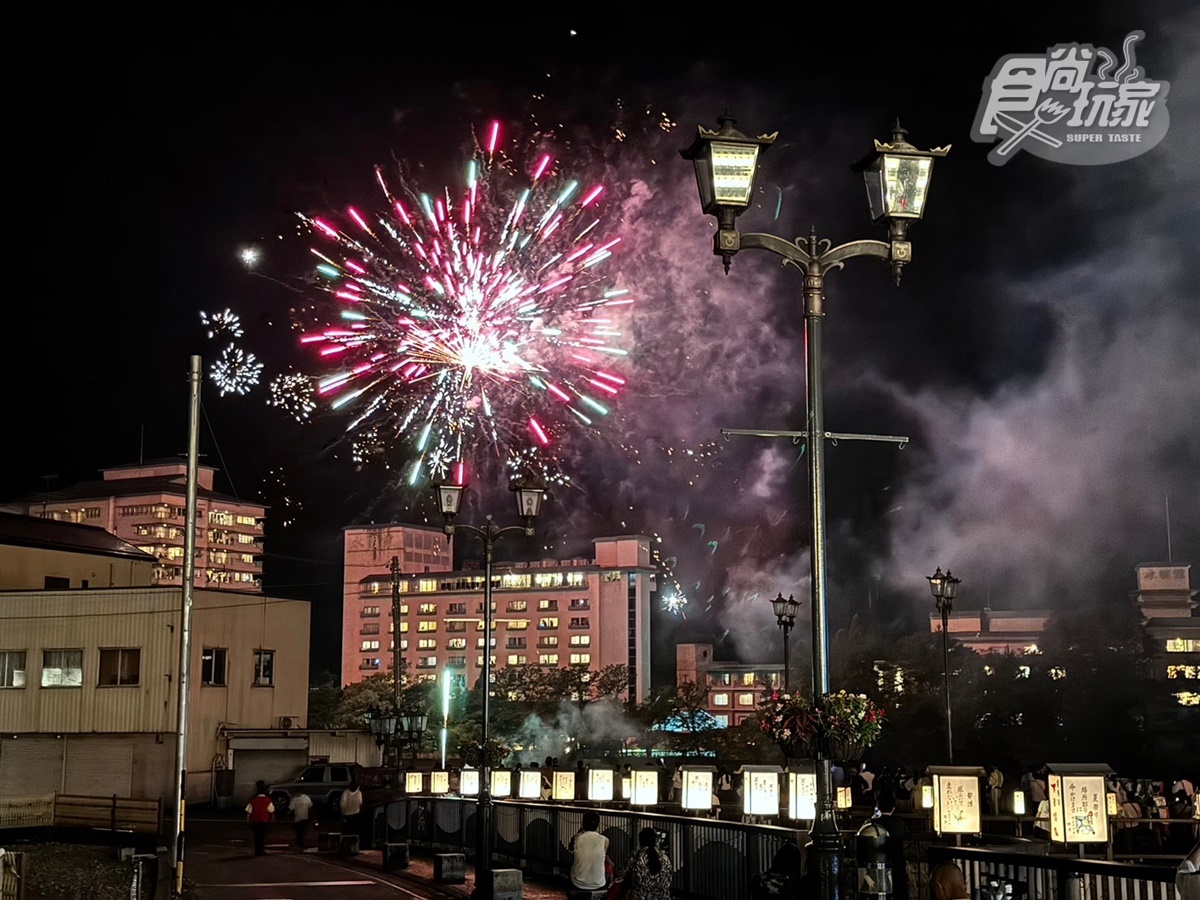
735	690
554	612
143	504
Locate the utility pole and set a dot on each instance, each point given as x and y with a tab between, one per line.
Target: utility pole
397	653
185	629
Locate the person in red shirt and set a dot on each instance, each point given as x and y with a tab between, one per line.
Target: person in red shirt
259	811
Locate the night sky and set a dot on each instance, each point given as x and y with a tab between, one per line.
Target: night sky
1040	352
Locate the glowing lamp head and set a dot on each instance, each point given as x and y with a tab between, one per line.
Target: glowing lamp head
897	178
529	497
449	497
600	784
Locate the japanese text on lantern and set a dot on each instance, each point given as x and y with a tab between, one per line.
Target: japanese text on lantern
959	807
1084	813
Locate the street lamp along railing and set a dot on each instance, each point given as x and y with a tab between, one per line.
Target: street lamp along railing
529	498
785	616
897	177
943	588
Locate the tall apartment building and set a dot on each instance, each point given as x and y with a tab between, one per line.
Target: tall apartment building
735	690
584	612
143	504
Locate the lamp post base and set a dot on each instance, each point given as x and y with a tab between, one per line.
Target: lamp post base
483	849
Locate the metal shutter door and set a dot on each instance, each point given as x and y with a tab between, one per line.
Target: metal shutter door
99	767
30	766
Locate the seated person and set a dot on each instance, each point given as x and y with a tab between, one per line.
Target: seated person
589	851
946	882
784	876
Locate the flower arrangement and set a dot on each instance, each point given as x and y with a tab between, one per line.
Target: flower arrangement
842	719
494	754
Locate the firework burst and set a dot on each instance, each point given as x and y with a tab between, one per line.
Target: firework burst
235	371
479	319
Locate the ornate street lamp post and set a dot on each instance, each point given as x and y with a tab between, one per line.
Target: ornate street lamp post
897	179
943	588
785	616
529	505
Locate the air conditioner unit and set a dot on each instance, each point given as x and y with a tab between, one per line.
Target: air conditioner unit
287	723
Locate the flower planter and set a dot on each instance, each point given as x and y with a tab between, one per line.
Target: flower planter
844	750
799	748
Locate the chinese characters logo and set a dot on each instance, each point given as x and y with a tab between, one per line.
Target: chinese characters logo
1072	104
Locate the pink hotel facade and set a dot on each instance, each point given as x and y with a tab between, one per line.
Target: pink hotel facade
554	612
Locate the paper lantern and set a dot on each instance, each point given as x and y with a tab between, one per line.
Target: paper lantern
501	782
696	787
600	784
626	787
645	787
957	800
439	782
1114	808
413	782
530	785
1018	803
760	790
802	795
927	796
468	782
564	786
1078	795
845	799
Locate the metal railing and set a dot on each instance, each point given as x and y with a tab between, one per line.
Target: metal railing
714	859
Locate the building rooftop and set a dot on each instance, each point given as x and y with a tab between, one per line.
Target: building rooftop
127	487
33	531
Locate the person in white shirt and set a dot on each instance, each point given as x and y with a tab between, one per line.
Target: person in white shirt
351	805
1187	876
589	850
301	806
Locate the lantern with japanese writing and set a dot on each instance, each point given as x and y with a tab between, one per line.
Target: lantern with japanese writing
957	804
600	784
1078	795
697	787
413	782
564	785
439	782
468	782
845	798
530	785
802	792
626	786
644	789
501	782
760	790
1018	803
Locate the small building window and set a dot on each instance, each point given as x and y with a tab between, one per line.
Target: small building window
745	699
120	667
264	668
62	668
12	668
720	699
212	666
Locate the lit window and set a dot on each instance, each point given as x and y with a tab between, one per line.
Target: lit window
580	640
1188	698
1022	671
479	661
427	644
404	627
549	640
581	659
120	667
479	643
1032	650
1057	672
720	699
1183	645
748	679
513	581
370	611
457	644
516	659
547	659
518	605
427	662
427	585
427	609
1183	671
421	626
548	622
12	668
264	668
518	625
745	699
548	605
62	668
369	645
576	579
548	579
722	720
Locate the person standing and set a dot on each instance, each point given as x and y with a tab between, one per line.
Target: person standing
897	831
995	786
589	851
301	807
351	805
258	812
647	876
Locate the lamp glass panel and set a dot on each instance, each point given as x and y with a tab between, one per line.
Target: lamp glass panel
802	795
1078	808
697	790
780	606
439	782
733	172
530	785
468	782
761	793
951	588
844	797
529	501
874	182
501	782
645	787
564	786
927	796
1114	808
413	782
1018	803
600	784
626	787
449	496
704	180
905	181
